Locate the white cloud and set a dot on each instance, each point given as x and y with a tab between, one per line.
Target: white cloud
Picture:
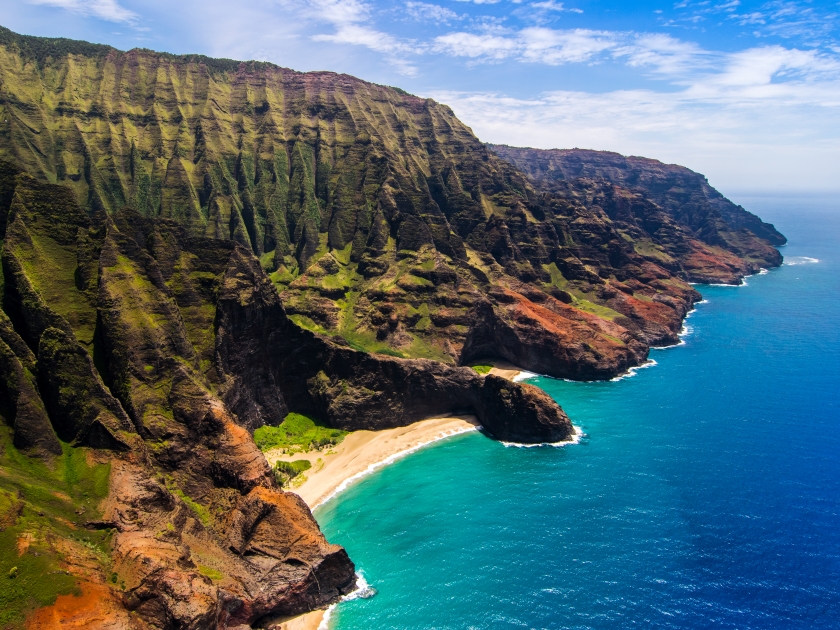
553	47
474	45
548	5
664	54
769	118
425	12
351	20
535	44
784	18
108	10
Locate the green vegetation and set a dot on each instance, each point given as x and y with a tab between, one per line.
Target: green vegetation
199	510
210	572
603	312
482	369
649	249
306	323
391	353
297	433
42	508
557	278
284	472
43	48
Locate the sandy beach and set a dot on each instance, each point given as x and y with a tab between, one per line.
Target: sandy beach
360	453
505	370
309	621
363	451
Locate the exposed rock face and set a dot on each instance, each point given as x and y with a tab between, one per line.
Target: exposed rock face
233	241
683	196
157	351
378	215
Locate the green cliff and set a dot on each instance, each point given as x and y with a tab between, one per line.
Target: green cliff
194	248
380	217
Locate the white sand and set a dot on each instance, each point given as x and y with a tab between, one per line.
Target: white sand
505	369
309	621
362	452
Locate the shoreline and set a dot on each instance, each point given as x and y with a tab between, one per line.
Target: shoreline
362	452
505	370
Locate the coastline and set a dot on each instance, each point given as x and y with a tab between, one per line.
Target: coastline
362	452
307	621
505	370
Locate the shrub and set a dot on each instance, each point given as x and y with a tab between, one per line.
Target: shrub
297	432
284	472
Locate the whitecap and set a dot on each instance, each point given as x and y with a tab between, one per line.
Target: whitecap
762	271
523	375
632	371
801	260
575	439
363	591
390	460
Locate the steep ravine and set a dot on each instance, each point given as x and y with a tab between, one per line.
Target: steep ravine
193	248
380	217
140	348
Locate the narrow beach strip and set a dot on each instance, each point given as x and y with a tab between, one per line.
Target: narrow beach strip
362	452
358	455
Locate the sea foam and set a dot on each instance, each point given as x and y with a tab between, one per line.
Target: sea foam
523	375
363	591
631	372
801	260
575	439
685	331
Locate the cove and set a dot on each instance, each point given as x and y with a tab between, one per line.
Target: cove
704	493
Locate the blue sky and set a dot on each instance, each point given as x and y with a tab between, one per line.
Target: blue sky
747	92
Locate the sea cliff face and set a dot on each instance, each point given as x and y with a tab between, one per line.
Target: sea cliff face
673	206
149	354
193	248
379	216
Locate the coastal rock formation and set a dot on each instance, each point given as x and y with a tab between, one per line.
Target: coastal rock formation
193	248
670	205
379	216
129	346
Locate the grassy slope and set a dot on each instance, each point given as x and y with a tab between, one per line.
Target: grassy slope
42	508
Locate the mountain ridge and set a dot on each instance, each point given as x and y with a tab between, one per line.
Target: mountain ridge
193	248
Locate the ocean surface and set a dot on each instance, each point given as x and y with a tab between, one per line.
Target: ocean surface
705	492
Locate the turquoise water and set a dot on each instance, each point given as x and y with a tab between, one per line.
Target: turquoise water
705	493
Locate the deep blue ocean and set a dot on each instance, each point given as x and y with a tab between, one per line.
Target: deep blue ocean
704	494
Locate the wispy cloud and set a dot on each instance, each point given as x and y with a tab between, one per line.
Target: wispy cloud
352	22
663	54
551	5
108	10
782	18
763	117
738	141
425	12
534	44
